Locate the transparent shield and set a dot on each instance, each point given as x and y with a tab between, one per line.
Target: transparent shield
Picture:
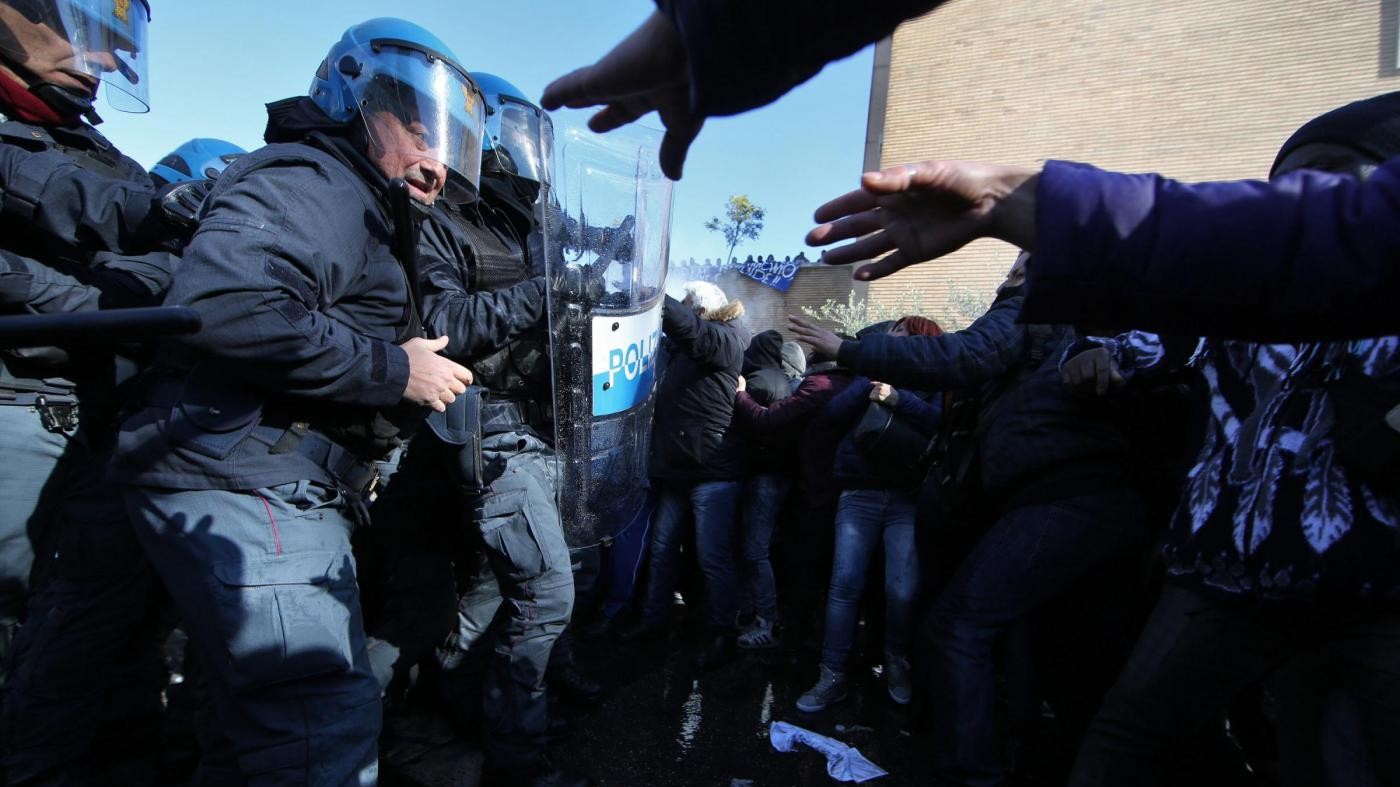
607	228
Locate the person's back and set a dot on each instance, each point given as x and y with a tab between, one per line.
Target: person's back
693	435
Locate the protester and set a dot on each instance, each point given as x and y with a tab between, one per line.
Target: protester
1284	540
876	509
1054	473
768	479
697	463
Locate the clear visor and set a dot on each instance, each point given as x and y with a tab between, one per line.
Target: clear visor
422	108
517	145
109	43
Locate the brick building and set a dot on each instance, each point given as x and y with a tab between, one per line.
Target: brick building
1194	89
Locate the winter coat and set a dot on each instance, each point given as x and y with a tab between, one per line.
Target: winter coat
851	468
763	368
766	383
1035	439
1309	256
1271	509
800	420
693	436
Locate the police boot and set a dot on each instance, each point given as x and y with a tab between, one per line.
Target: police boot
571	685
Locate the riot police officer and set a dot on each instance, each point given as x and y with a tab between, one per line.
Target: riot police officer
70	711
484	292
246	470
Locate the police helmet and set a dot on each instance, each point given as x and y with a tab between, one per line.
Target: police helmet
196	159
396	67
519	135
109	44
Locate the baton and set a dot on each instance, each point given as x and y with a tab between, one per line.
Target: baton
109	326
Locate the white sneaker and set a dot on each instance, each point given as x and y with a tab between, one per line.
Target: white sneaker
831	687
758	635
898	680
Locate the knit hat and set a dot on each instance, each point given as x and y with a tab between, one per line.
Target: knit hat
919	326
1370	126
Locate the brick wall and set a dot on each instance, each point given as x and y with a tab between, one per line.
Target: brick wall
1194	89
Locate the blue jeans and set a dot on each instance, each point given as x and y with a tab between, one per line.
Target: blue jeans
1031	556
713	505
864	519
265	584
764	496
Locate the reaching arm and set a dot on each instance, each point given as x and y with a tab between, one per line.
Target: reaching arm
978	353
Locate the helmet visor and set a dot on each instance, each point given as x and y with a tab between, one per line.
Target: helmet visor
108	38
415	105
517	144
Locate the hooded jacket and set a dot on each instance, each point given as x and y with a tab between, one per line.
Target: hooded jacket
766	383
693	436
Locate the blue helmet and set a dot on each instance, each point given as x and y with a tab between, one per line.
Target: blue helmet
108	38
519	135
196	159
394	70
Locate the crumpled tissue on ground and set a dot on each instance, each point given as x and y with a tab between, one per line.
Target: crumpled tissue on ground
844	763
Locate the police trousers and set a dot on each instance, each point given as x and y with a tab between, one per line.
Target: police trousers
32	454
83	705
264	582
514	570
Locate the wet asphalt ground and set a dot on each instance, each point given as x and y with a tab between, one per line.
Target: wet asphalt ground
664	722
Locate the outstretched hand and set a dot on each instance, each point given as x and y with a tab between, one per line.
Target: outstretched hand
648	70
922	211
815	336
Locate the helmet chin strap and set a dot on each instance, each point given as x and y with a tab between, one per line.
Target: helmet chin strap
67	102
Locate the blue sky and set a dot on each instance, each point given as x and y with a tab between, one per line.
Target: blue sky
214	65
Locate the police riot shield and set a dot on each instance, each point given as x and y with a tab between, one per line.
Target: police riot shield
607	228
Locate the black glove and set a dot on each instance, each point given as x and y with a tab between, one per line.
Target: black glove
180	203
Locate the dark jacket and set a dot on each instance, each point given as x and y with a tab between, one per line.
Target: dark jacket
303	305
52	262
851	468
476	322
693	437
82	209
66	192
744	54
800	420
1308	256
1035	438
763	368
766	383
